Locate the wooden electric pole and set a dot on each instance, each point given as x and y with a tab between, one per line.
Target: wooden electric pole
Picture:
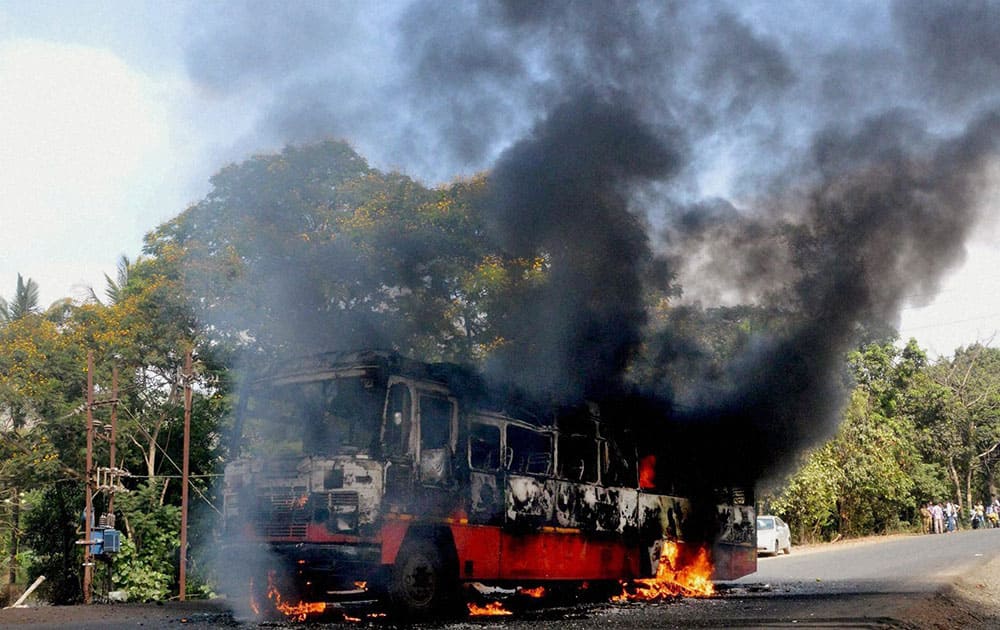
113	439
88	560
184	474
96	480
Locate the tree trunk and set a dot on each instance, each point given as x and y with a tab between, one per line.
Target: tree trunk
968	486
151	459
953	473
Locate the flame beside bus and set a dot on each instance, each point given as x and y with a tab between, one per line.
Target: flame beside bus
675	577
491	609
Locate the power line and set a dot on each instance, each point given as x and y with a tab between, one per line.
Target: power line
950	323
168	458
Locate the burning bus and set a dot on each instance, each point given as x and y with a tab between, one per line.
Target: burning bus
368	473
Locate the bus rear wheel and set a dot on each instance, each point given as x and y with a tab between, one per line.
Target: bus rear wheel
422	584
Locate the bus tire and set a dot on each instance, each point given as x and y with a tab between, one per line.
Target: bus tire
422	582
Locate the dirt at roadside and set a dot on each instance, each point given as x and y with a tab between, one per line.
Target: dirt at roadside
192	615
971	602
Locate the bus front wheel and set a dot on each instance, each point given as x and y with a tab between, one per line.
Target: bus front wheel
422	583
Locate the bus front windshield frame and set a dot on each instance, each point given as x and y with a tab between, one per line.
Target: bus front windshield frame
326	415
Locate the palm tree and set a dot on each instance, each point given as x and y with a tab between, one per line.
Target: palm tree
25	301
114	289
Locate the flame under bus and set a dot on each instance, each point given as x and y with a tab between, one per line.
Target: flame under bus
367	473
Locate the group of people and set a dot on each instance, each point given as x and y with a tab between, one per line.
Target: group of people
940	519
986	517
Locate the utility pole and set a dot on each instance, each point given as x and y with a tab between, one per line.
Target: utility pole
113	438
88	560
107	539
184	474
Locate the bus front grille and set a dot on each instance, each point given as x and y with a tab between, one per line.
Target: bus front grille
283	515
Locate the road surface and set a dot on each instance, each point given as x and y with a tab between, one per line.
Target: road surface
935	581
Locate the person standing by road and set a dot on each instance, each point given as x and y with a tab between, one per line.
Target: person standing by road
978	516
938	512
927	518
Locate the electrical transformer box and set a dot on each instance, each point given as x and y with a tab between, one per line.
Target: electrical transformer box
105	541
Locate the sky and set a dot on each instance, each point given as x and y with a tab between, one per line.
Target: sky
113	115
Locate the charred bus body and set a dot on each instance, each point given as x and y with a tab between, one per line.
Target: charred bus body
368	471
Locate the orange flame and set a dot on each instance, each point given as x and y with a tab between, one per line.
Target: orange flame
538	592
647	472
674	577
298	611
254	606
492	608
300	502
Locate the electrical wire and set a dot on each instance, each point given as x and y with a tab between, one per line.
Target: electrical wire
169	459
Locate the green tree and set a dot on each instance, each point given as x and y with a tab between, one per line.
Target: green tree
311	248
144	331
15	409
145	568
873	451
869	477
809	500
960	422
51	528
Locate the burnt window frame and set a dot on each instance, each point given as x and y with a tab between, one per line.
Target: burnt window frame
435	394
510	457
612	449
592	443
246	442
500	433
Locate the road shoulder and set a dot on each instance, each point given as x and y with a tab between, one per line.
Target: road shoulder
971	601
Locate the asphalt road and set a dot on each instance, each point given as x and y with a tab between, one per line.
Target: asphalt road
892	564
892	582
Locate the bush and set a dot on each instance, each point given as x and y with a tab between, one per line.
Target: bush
146	565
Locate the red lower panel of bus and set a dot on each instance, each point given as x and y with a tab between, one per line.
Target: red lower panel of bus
733	561
488	553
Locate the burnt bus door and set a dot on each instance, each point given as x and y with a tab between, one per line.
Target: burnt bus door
398	441
437	422
486	481
418	442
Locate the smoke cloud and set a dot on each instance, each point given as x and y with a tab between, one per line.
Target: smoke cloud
826	162
564	191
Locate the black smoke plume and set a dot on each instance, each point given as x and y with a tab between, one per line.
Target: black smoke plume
823	162
563	193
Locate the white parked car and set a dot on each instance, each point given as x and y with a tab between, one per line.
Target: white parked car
773	535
